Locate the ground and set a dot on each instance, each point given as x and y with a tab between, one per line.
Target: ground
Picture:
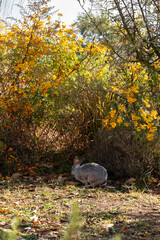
44	209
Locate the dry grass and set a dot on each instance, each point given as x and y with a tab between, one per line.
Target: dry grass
123	154
44	211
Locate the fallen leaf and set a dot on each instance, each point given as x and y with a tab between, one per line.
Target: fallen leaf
103	231
125	229
34	218
72	183
147	235
130	181
3	223
35	223
108	227
16	176
4	210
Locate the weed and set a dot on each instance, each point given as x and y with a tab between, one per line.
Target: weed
10	234
74	224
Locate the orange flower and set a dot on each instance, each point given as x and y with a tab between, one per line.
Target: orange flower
10	149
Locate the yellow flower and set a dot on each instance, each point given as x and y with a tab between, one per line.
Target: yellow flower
135	124
131	99
54	77
122	108
112	113
153	129
144	114
143	126
126	124
119	120
113	124
150	136
16	68
145	77
154	114
150	125
22	66
147	105
146	102
134	117
105	122
133	69
134	89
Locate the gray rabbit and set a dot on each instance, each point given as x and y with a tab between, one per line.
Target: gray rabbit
90	174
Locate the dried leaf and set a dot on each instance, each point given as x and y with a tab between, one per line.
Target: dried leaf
130	181
16	176
108	227
4	210
125	229
102	231
148	235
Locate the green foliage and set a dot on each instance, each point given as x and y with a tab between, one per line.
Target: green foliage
85	24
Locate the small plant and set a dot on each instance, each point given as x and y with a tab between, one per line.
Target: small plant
74	224
117	238
10	234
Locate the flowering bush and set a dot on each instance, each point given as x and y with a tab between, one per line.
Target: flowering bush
57	92
136	94
40	60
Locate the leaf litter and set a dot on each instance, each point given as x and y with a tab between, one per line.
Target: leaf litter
44	210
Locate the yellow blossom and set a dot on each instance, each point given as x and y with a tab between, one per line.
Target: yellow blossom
135	124
122	108
150	125
135	117
113	124
119	120
131	99
153	114
105	122
54	77
134	89
143	126
150	136
146	102
112	113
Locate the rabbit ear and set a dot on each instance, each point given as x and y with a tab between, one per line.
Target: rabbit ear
76	160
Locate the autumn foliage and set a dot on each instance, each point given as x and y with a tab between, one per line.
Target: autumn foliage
56	91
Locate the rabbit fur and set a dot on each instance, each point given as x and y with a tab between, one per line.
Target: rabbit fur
89	173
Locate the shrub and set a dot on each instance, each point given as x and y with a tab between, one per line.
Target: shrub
122	153
40	64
